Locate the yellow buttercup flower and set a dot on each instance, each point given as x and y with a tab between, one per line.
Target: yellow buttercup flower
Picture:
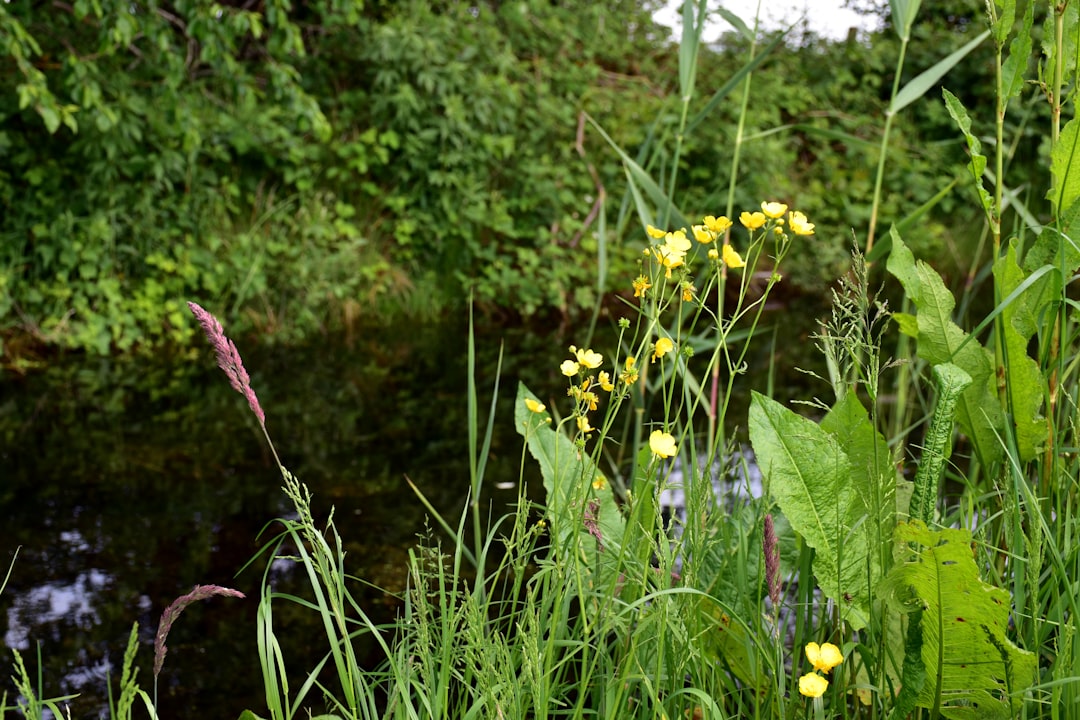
687	291
569	368
718	225
656	233
773	210
714	254
799	225
824	657
752	220
813	685
604	379
583	424
732	259
533	405
702	235
588	358
629	375
590	398
663	347
600	483
641	284
662	444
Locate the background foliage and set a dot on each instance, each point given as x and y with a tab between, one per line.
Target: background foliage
298	166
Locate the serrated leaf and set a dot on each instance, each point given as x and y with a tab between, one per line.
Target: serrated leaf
977	163
973	671
1015	66
940	340
808	474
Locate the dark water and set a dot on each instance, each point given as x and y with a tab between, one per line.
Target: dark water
125	483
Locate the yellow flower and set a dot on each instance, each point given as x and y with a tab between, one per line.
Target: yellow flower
663	347
732	259
824	657
752	221
813	685
590	398
668	258
718	225
629	375
605	381
600	483
677	241
702	235
799	225
536	407
583	424
774	210
588	358
569	368
687	291
662	444
641	285
714	254
656	233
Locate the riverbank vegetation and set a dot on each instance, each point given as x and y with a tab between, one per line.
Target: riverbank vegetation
902	544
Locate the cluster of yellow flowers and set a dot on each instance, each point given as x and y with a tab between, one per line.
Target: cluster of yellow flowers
824	658
671	254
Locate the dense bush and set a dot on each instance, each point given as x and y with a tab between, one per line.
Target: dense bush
303	165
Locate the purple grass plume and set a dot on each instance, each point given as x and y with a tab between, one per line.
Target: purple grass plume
590	519
228	359
200	592
771	546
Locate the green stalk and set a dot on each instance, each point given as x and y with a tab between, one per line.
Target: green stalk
882	152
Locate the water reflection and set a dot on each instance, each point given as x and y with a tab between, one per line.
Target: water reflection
126	483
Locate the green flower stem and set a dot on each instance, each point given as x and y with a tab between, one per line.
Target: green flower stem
950	381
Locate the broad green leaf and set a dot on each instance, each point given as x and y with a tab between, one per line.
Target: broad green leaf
808	474
973	671
940	340
1024	381
571	481
927	79
1065	169
977	164
873	476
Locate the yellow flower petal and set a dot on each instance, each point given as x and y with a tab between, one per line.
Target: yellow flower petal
663	347
655	232
732	259
823	657
533	405
569	368
662	444
702	235
583	424
718	225
799	224
813	685
773	210
752	221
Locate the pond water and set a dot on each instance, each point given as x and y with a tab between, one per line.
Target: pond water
126	483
